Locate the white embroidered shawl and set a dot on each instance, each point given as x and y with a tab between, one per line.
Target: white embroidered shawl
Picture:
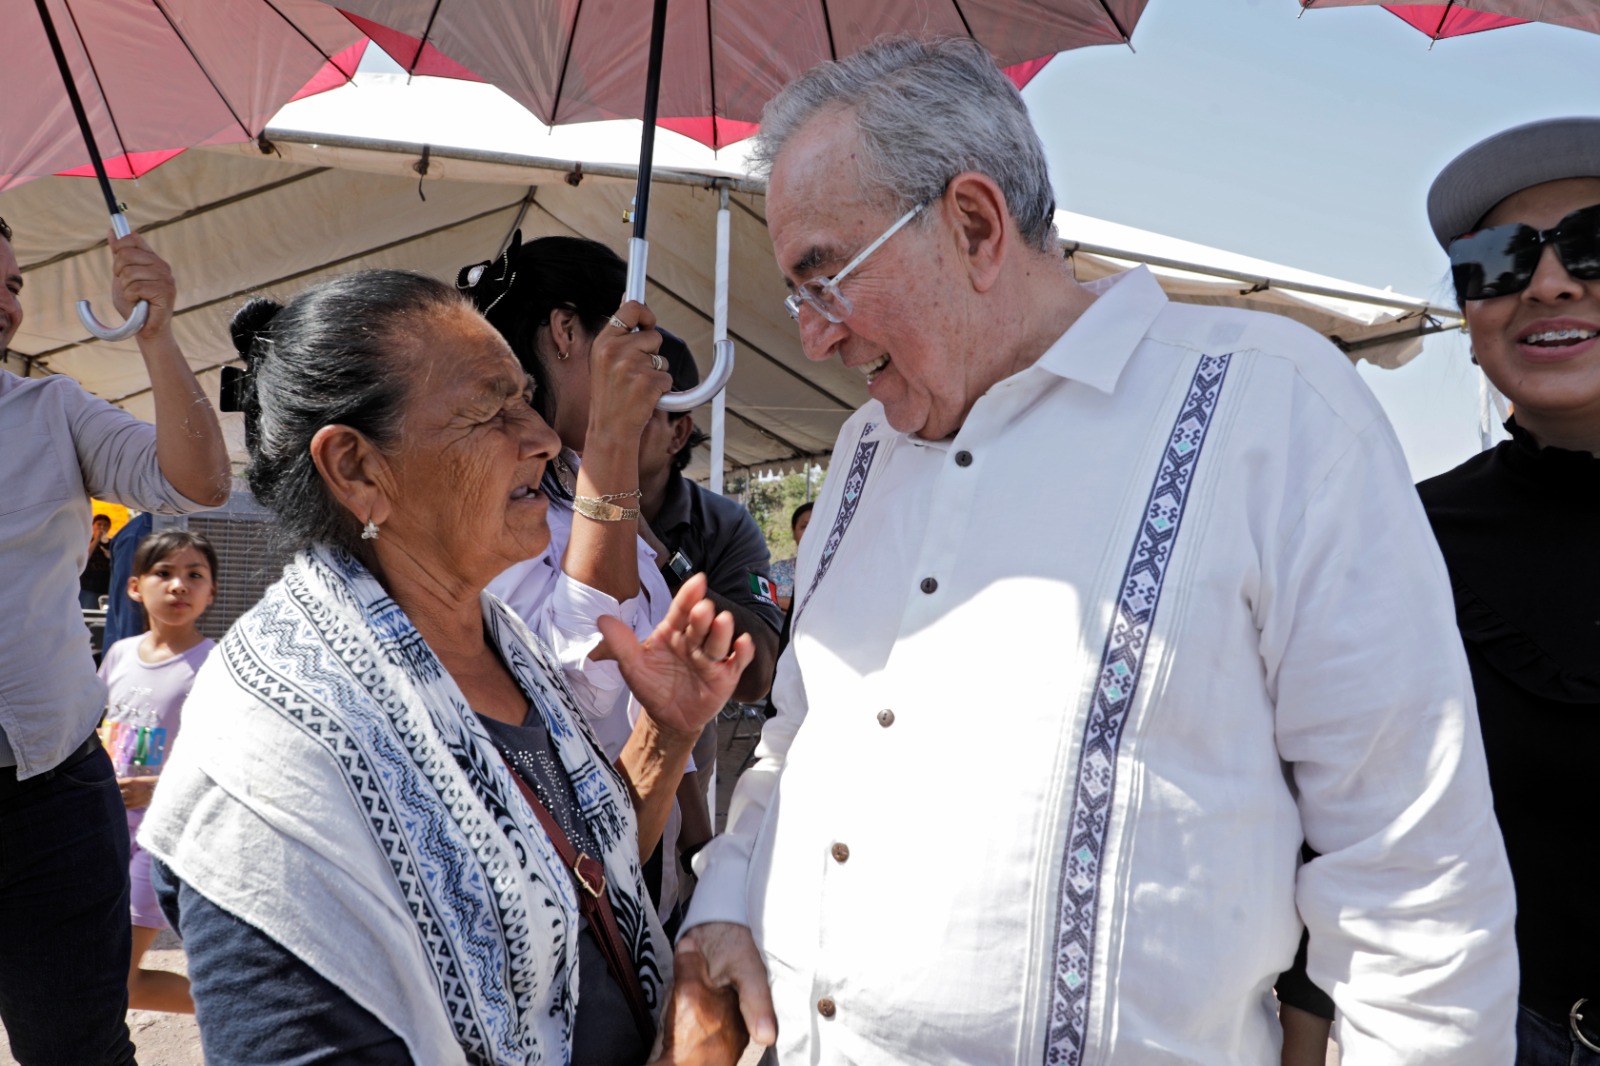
333	789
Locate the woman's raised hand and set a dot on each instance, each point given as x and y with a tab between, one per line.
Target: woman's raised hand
624	382
687	668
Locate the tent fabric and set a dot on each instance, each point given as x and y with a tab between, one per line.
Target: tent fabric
235	222
158	77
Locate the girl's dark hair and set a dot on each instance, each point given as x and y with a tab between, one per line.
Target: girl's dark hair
327	358
517	292
803	509
167	543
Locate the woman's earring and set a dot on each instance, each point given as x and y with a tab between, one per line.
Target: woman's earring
370	530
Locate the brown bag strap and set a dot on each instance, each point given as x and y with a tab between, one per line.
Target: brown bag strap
589	877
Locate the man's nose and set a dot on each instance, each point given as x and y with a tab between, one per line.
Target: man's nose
819	336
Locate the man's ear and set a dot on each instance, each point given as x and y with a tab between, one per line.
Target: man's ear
979	210
354	471
682	428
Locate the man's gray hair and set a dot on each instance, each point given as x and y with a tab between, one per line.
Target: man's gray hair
926	110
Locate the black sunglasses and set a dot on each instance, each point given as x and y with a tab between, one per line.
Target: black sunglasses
1501	260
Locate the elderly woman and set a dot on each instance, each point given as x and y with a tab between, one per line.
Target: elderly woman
1519	215
387	835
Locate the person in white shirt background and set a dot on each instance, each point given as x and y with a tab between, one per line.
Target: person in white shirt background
1154	576
63	831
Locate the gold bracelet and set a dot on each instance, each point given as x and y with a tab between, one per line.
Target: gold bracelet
600	509
608	497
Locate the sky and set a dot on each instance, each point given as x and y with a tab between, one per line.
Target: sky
1309	141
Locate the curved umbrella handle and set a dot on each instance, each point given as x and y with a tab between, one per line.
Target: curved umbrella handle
134	324
721	371
141	311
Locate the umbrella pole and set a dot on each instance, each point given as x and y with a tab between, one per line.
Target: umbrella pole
119	223
638	249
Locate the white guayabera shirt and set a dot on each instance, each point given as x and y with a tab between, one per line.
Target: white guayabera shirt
1066	692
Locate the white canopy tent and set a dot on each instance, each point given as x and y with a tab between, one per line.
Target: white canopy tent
271	219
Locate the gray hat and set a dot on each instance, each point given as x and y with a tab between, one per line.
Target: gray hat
1510	161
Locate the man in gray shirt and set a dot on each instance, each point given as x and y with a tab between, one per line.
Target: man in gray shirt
63	836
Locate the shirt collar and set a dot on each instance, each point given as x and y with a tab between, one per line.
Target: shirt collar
1096	347
674	504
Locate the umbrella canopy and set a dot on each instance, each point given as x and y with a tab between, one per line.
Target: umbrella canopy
158	77
722	59
1460	17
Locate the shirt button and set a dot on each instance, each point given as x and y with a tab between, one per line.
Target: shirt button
929	585
841	852
963	458
826	1008
886	718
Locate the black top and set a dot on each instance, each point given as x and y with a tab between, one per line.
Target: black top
1519	527
720	538
603	1032
96	576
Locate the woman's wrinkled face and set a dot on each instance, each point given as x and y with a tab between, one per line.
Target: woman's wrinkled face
466	470
1541	346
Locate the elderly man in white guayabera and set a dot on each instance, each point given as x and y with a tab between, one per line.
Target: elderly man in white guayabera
1118	601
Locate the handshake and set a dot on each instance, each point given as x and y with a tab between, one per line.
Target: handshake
719	1002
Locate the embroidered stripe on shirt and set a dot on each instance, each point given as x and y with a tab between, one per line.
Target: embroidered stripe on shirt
1120	666
855	483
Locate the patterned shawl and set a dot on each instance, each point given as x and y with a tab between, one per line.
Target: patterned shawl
334	790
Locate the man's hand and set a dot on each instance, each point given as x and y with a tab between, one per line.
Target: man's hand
720	1001
138	273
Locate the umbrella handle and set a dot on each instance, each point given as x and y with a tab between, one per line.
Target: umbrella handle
721	371
141	311
721	365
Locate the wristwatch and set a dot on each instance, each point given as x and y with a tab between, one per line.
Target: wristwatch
677	570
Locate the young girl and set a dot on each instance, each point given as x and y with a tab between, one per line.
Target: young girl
148	678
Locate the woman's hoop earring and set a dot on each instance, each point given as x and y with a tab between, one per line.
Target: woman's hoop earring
370	530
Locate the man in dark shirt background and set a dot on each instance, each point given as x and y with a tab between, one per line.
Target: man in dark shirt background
694	530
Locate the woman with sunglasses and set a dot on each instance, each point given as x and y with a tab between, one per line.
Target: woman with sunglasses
1519	527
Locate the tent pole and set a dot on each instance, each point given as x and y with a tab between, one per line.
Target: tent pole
719	334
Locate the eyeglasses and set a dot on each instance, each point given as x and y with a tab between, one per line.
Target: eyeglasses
1501	260
822	295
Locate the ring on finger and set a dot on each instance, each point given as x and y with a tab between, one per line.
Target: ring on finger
617	322
657	362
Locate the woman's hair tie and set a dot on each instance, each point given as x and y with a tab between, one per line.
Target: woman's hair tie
488	282
250	323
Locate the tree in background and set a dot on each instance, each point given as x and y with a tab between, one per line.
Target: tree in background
772	501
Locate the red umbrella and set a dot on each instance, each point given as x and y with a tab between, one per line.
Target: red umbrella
707	70
149	78
1460	17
